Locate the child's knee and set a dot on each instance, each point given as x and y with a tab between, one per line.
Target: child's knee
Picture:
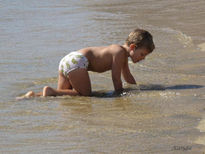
48	91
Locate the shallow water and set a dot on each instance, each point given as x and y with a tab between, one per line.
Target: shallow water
164	113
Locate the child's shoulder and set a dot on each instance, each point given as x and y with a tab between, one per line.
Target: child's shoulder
115	48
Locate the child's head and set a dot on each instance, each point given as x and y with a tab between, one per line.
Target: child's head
141	39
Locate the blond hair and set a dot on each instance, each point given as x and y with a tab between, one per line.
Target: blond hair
142	39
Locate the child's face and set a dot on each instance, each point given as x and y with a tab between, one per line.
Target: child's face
138	54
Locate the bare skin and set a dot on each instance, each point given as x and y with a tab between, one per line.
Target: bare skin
101	59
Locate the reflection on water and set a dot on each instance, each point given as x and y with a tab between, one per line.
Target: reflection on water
163	113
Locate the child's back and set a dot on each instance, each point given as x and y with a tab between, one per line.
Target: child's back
101	58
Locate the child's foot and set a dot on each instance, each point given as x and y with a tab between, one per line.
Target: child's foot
48	91
27	95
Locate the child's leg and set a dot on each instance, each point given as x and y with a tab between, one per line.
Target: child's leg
78	79
64	87
48	91
63	82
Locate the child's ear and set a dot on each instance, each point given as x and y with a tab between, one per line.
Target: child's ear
132	46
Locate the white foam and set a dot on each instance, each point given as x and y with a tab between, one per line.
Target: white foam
202	46
184	39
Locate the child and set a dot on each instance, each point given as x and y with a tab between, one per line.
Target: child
73	78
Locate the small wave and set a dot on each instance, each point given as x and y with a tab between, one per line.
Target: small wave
183	38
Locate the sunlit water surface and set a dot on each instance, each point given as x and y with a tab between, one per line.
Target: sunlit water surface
163	113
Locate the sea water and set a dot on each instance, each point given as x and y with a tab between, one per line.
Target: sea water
163	113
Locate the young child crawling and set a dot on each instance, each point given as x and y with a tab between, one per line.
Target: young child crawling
73	78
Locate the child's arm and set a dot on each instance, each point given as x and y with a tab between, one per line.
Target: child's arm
117	82
127	75
117	64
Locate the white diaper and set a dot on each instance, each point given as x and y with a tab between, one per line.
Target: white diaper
72	61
